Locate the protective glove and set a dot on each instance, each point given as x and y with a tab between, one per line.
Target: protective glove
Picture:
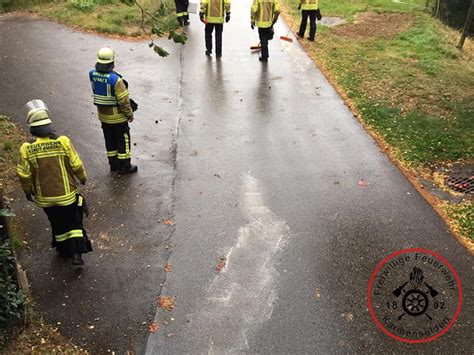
299	7
252	25
83	181
29	197
130	119
227	18
201	17
318	15
133	105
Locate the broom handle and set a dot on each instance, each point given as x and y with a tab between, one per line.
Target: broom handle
292	23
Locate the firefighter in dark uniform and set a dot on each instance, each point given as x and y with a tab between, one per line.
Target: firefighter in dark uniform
213	13
264	14
49	168
115	111
182	13
309	8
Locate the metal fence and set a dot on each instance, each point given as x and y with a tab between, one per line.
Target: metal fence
451	12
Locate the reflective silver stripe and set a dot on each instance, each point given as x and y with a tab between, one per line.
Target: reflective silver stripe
105	100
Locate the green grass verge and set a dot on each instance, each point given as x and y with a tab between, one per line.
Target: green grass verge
462	216
412	87
106	16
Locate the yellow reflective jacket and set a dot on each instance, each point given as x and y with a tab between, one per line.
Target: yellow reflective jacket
309	4
48	169
264	12
215	10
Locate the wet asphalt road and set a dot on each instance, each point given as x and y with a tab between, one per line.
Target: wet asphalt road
258	163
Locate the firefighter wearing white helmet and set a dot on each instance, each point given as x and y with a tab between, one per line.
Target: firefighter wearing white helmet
48	169
115	110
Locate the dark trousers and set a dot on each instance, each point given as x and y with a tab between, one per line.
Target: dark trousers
219	27
117	143
69	235
182	11
265	34
312	23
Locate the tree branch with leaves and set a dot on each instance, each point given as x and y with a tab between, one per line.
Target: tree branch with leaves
154	27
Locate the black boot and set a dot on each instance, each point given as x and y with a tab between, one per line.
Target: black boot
114	164
128	169
77	259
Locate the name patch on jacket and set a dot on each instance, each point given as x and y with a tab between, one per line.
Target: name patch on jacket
44	147
100	77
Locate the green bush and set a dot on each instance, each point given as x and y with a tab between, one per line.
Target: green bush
11	297
83	5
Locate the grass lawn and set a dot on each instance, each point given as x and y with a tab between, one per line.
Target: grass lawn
401	72
106	16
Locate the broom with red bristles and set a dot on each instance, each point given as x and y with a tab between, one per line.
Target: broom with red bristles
287	37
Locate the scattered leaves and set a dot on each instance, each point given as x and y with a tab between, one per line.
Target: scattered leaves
168	267
168	222
153	327
166	303
362	183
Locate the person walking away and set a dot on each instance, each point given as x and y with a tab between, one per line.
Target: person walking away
182	13
212	14
114	108
264	14
309	8
48	169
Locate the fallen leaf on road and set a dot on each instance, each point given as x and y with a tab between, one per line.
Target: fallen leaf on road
221	264
168	267
166	303
153	327
362	183
347	316
317	294
168	222
194	153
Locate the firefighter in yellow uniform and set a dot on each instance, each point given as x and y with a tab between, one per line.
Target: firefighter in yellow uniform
115	110
310	8
213	13
48	169
264	14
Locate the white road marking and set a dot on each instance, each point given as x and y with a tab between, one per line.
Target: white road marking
241	297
